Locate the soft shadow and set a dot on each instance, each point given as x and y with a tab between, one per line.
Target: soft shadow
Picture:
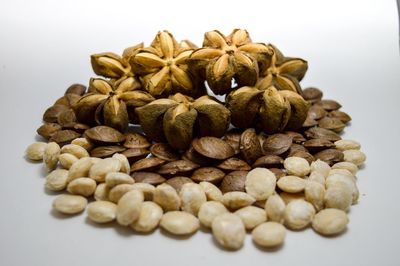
52	193
271	249
61	216
31	161
176	237
333	236
99	225
39	138
205	229
218	245
125	231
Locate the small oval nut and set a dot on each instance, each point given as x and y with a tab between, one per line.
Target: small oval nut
236	199
83	142
50	155
299	214
321	167
315	193
116	178
330	222
275	208
125	166
149	217
69	204
129	207
229	231
192	197
338	196
342	172
35	151
269	234
209	210
179	223
80	168
147	189
354	156
251	216
67	160
260	183
57	180
100	169
117	192
289	197
345	144
291	184
346	180
317	177
167	197
212	191
101	192
346	165
76	150
102	211
297	166
83	186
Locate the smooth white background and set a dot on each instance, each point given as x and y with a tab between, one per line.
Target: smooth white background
353	52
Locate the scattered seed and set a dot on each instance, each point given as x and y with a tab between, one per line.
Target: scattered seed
269	234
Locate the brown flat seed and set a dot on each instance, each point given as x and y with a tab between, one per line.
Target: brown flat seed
234	181
233	134
180	167
195	157
316	112
330	156
331	123
303	154
48	129
66	117
321	133
106	151
296	136
278	172
136	141
178	181
148	177
147	164
310	122
312	94
134	155
64	137
316	145
77	127
268	161
209	174
213	147
329	105
296	147
52	113
104	134
342	116
277	144
77	89
250	146
234	144
234	164
164	151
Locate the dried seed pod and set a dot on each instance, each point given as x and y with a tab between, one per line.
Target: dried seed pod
48	129
66	117
209	174
180	167
213	147
147	164
250	146
106	151
164	152
136	141
234	164
298	109
277	144
234	181
104	135
148	178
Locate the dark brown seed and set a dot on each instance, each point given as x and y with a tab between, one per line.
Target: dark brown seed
77	89
66	117
296	136
296	147
77	127
312	94
234	164
134	155
195	157
268	161
234	181
250	146
278	172
309	122
104	134
277	144
148	177
316	112
233	135
136	141
64	137
303	154
72	99
209	174
235	145
331	123
321	133
316	145
180	167
164	151
52	113
330	156
342	116
329	105
48	129
62	101
178	181
147	164
106	151
213	148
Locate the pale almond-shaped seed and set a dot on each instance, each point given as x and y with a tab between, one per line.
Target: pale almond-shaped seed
289	197
118	191
229	231
260	183
318	177
50	155
346	165
291	184
348	181
149	217
113	179
354	156
167	197
345	144
315	193
83	186
35	151
147	189
179	223
100	169
67	160
80	168
125	166
299	214
338	196
102	211
342	172
57	180
69	204
209	210
192	197
236	199
251	216
269	234
297	166
330	222
129	207
212	191
83	142
101	192
275	208
76	150
321	167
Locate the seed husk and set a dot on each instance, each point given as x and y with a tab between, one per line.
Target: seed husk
178	181
106	151
208	174
64	137
180	167
48	129
234	181
148	177
147	164
330	156
213	148
321	133
277	144
104	135
250	146
136	141
164	151
332	123
234	164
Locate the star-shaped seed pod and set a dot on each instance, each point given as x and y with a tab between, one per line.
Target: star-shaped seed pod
284	73
270	109
162	67
179	118
108	102
224	58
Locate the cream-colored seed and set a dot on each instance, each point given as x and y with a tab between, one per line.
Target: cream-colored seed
102	211
236	199
192	197
354	156
260	203
167	197
338	196
147	189
321	167
179	223
117	192
76	150
346	165
83	186
67	160
125	166
317	177
69	204
211	190
330	222
129	207
95	160
345	144
80	168
149	217
229	231
50	155
100	169
260	183
342	172
209	210
35	151
101	192
299	214
275	208
57	180
251	216
83	142
346	180
113	179
297	166
269	234
314	193
288	197
291	184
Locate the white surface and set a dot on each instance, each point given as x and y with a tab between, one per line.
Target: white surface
353	52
